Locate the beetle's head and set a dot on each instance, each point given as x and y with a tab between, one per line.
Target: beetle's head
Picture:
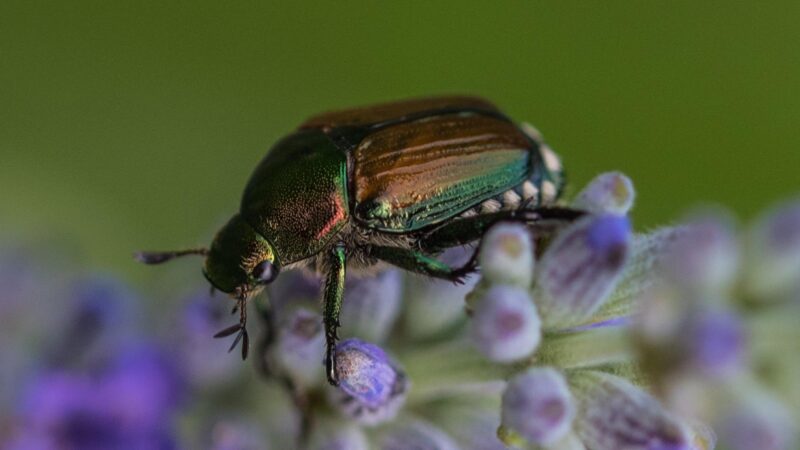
239	261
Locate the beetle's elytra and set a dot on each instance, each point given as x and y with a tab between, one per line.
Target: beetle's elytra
396	182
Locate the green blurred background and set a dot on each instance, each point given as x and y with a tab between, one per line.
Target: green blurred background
127	125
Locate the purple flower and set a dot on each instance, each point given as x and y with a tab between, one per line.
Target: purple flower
614	414
610	192
774	254
505	326
704	257
371	388
715	342
506	255
538	406
201	316
127	405
581	268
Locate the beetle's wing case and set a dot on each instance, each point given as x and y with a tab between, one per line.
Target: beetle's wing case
419	173
385	114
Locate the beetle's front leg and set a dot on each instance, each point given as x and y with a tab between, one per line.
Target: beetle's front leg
333	295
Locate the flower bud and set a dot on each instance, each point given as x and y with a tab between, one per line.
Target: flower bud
338	436
610	192
538	406
580	269
760	422
704	256
371	305
614	414
714	342
506	255
505	326
432	306
774	254
300	347
371	387
419	436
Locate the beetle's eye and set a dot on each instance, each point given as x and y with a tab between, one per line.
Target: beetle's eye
265	272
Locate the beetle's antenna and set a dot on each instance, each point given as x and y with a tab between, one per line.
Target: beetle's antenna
162	257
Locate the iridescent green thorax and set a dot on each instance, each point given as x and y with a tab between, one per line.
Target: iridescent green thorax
297	196
233	255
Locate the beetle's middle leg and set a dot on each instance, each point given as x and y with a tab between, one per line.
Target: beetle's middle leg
333	295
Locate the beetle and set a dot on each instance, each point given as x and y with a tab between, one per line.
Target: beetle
395	183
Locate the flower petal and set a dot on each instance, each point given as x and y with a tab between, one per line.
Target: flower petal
616	415
580	269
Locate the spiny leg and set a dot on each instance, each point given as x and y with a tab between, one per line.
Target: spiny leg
333	295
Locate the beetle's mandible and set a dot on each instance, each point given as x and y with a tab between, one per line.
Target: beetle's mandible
396	183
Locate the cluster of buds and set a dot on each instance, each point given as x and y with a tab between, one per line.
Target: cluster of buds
717	334
543	356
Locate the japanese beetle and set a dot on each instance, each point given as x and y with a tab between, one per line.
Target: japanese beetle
396	182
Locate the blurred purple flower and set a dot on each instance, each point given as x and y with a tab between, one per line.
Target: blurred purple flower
128	404
202	356
715	342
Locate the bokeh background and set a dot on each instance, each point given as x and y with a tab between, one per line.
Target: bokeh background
127	125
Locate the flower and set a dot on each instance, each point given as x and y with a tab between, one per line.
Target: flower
538	405
713	333
371	387
505	325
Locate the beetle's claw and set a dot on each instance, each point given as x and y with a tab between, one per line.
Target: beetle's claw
330	367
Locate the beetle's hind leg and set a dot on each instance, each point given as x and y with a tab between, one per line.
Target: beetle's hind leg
470	229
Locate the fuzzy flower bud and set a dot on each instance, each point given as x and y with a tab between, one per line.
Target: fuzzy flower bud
300	347
714	342
418	436
580	269
371	305
506	255
338	436
537	405
371	387
774	254
758	422
704	257
505	326
610	192
432	306
614	415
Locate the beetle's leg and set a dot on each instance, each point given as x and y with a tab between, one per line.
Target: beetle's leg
334	292
470	229
418	262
